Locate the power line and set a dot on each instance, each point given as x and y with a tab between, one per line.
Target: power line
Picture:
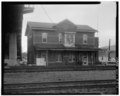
98	19
47	14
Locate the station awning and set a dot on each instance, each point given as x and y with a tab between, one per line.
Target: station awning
62	48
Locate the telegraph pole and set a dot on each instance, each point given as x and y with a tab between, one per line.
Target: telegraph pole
109	50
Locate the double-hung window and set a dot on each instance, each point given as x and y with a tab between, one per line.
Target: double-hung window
60	37
85	39
44	37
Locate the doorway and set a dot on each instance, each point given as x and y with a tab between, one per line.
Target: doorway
41	61
85	60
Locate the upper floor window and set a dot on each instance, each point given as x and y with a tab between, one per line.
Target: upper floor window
70	39
85	39
44	37
60	37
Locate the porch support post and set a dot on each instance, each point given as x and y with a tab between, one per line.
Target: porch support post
97	56
47	58
92	57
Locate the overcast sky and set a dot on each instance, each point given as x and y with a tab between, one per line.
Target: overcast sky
100	17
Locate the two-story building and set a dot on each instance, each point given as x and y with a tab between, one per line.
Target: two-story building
64	43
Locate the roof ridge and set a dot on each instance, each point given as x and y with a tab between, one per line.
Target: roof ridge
39	22
56	23
51	25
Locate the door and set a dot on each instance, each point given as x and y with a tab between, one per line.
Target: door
43	58
85	60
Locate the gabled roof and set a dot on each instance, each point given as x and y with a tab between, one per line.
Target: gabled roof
39	25
66	21
85	28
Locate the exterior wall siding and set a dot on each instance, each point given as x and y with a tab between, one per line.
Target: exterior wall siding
79	38
52	38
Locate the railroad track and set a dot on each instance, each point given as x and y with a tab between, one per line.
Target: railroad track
56	87
45	69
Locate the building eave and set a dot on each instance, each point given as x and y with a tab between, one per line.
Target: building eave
38	28
69	49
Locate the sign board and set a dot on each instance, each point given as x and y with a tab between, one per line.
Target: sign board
70	39
40	62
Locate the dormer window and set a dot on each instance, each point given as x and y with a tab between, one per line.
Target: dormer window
60	37
85	39
44	37
70	39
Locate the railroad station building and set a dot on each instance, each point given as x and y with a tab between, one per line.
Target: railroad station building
61	44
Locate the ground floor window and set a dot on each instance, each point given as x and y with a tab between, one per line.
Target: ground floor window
68	57
59	57
55	57
71	58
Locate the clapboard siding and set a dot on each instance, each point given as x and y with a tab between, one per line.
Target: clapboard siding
52	38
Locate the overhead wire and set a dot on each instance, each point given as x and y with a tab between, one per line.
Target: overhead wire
98	20
47	14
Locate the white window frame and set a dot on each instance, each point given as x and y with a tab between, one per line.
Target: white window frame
60	37
85	38
44	37
66	42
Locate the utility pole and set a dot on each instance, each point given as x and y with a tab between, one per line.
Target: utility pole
109	50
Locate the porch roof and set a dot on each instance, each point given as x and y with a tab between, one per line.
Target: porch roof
60	47
69	49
